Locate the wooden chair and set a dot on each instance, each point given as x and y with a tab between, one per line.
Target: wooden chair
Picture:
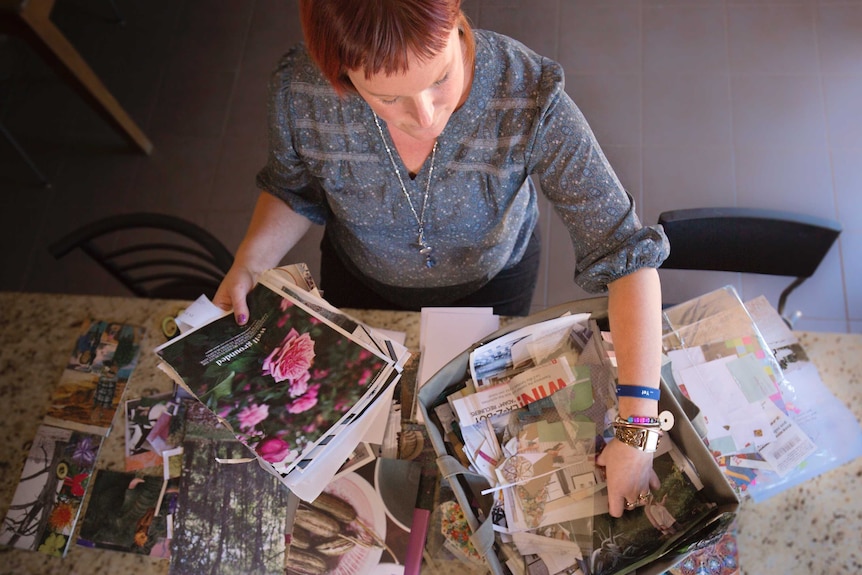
749	240
153	255
31	20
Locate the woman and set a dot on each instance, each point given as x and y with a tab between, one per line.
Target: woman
413	140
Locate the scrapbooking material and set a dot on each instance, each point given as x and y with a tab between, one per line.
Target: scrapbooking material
769	418
301	384
531	416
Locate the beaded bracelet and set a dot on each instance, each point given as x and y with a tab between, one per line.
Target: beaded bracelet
637	419
620	422
638	391
664	421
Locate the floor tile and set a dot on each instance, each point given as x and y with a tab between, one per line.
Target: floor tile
772	39
780	109
839	38
533	23
847	173
600	37
843	94
700	28
611	104
679	178
686	110
786	178
850	243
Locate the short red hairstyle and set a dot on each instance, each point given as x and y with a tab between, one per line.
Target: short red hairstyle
377	35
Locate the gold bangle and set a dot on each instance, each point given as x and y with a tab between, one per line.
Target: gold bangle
646	439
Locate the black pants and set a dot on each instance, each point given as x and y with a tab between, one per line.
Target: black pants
510	292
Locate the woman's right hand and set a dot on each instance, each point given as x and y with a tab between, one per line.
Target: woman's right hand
233	290
274	230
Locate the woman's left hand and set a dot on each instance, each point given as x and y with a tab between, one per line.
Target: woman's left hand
629	474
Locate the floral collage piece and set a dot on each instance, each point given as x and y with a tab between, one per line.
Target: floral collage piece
128	512
718	558
457	532
47	501
92	384
281	382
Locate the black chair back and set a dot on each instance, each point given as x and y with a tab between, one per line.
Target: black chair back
748	240
153	255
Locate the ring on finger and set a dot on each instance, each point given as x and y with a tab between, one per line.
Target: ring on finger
630	504
643	496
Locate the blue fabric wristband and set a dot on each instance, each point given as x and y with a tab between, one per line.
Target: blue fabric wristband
638	391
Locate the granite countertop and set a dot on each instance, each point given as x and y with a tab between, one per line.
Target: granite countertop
37	332
809	528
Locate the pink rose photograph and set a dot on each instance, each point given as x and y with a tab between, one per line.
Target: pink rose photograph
281	381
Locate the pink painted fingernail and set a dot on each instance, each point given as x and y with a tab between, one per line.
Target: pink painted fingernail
242	318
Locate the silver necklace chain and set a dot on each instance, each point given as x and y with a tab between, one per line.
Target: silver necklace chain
421	244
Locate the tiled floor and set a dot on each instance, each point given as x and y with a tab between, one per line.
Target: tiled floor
696	103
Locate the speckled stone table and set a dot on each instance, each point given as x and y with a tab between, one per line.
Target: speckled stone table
813	528
37	333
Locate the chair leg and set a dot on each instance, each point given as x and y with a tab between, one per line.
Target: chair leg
50	42
24	156
782	300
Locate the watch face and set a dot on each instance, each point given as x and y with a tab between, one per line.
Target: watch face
651	441
643	439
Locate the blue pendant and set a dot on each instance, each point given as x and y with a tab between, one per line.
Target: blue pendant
424	248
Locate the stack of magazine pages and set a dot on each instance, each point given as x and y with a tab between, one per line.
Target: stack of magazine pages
531	417
769	424
301	384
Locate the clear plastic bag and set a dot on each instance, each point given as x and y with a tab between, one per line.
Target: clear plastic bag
716	331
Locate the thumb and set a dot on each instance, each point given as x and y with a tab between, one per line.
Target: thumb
600	460
240	307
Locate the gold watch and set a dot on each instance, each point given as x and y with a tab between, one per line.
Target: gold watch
643	438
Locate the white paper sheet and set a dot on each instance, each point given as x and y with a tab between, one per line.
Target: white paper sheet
446	332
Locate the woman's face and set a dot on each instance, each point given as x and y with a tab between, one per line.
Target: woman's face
420	101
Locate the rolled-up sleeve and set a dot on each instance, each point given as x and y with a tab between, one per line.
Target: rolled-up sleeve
576	177
285	175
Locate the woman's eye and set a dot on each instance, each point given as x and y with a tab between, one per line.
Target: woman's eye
392	101
442	80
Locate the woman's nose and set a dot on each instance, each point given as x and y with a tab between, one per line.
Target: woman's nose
424	110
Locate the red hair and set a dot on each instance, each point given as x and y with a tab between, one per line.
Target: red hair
377	35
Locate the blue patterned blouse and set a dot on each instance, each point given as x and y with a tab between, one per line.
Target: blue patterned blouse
328	162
